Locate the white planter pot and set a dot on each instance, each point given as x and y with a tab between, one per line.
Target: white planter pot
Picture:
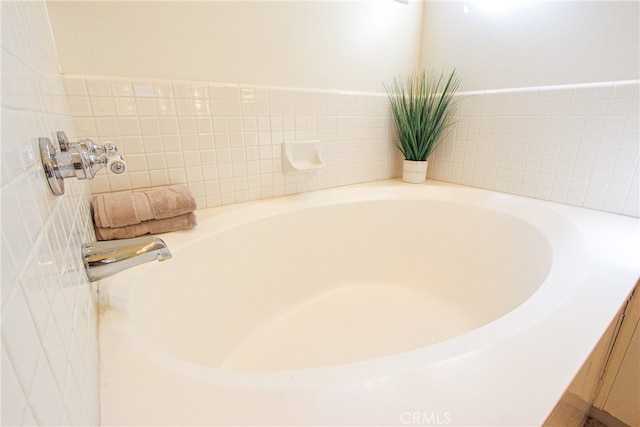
414	172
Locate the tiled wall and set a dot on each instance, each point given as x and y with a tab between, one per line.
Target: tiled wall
224	140
49	318
569	144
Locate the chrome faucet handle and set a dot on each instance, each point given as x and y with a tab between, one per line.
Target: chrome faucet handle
82	159
63	141
99	156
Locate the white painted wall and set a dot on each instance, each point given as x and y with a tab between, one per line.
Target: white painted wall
532	43
350	45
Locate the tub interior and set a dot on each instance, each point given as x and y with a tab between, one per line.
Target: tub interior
339	284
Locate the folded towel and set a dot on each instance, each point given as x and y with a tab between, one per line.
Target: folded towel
166	201
154	226
114	210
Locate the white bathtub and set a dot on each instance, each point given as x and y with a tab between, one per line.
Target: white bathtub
376	304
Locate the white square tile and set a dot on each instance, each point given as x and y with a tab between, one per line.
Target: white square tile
217	91
191	158
201	107
79	105
625	90
631	208
129	145
200	91
55	352
12	149
14	402
151	125
156	126
187	124
613	204
75	85
208	157
152	144
177	176
136	163
171	143
125	106
85	127
223	156
205	141
182	90
98	86
121	87
158	177
163	89
602	91
156	161
146	106
119	182
189	141
211	187
622	174
8	274
204	125
620	107
143	89
174	159
618	190
194	174
128	126
14	231
219	108
73	400
107	126
165	106
20	338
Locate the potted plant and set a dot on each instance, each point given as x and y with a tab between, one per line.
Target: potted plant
423	106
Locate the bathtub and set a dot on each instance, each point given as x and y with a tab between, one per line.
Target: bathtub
376	304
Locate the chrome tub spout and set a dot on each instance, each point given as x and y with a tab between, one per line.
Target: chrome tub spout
104	259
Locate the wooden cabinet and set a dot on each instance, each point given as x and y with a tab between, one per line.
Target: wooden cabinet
607	387
618	392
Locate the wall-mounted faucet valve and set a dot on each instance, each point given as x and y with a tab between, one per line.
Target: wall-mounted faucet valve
82	159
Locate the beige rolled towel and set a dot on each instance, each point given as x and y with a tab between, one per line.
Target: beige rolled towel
154	226
114	210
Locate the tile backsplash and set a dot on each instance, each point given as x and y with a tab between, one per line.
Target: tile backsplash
49	316
570	144
573	144
224	140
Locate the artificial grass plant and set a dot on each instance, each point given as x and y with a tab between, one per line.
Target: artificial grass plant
423	106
